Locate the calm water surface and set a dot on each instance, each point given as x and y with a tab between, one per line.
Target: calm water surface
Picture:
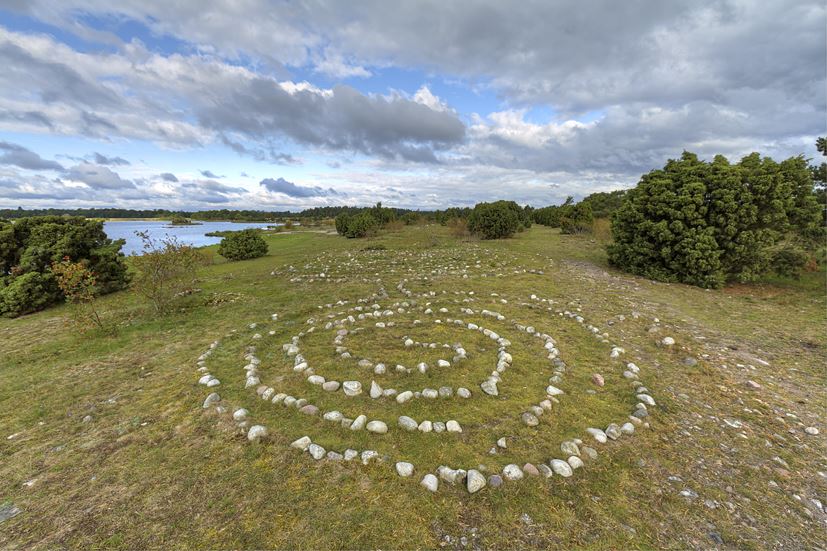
190	235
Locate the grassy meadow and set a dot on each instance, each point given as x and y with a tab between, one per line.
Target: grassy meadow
104	443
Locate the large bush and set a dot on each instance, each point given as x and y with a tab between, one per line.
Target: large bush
357	225
494	220
243	245
30	246
575	219
710	223
165	271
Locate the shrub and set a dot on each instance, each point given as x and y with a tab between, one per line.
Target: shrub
459	228
165	271
79	286
710	223
577	219
362	225
27	293
32	244
494	220
789	261
243	245
411	218
356	225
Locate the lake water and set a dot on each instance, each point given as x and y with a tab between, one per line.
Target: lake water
190	235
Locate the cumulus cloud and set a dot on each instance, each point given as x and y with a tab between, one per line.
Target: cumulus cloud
101	159
17	155
292	190
210	192
97	177
168	177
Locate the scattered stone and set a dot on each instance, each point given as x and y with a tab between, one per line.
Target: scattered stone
545	471
430	482
561	468
753	385
569	448
512	472
378	427
350	454
309	409
426	426
489	386
8	510
367	455
575	462
335	416
612	431
213	398
475	481
359	423
529	419
501	443
407	423
597	379
404	469
531	470
453	426
463	392
403	397
375	390
256	433
301	444
240	414
667	341
352	388
316	451
812	431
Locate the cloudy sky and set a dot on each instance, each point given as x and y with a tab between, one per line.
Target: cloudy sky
292	104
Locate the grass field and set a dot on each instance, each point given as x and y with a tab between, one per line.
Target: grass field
105	443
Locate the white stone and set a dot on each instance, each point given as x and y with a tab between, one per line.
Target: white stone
430	482
256	433
646	399
598	434
501	443
453	426
426	426
627	428
489	386
302	443
475	481
316	380
316	451
359	423
403	397
240	414
378	427
404	469
575	462
553	390
375	390
335	416
443	363
512	472
213	398
367	455
407	423
561	468
430	393
463	392
352	388
667	341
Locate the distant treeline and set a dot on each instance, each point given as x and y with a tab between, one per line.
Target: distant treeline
315	213
602	204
